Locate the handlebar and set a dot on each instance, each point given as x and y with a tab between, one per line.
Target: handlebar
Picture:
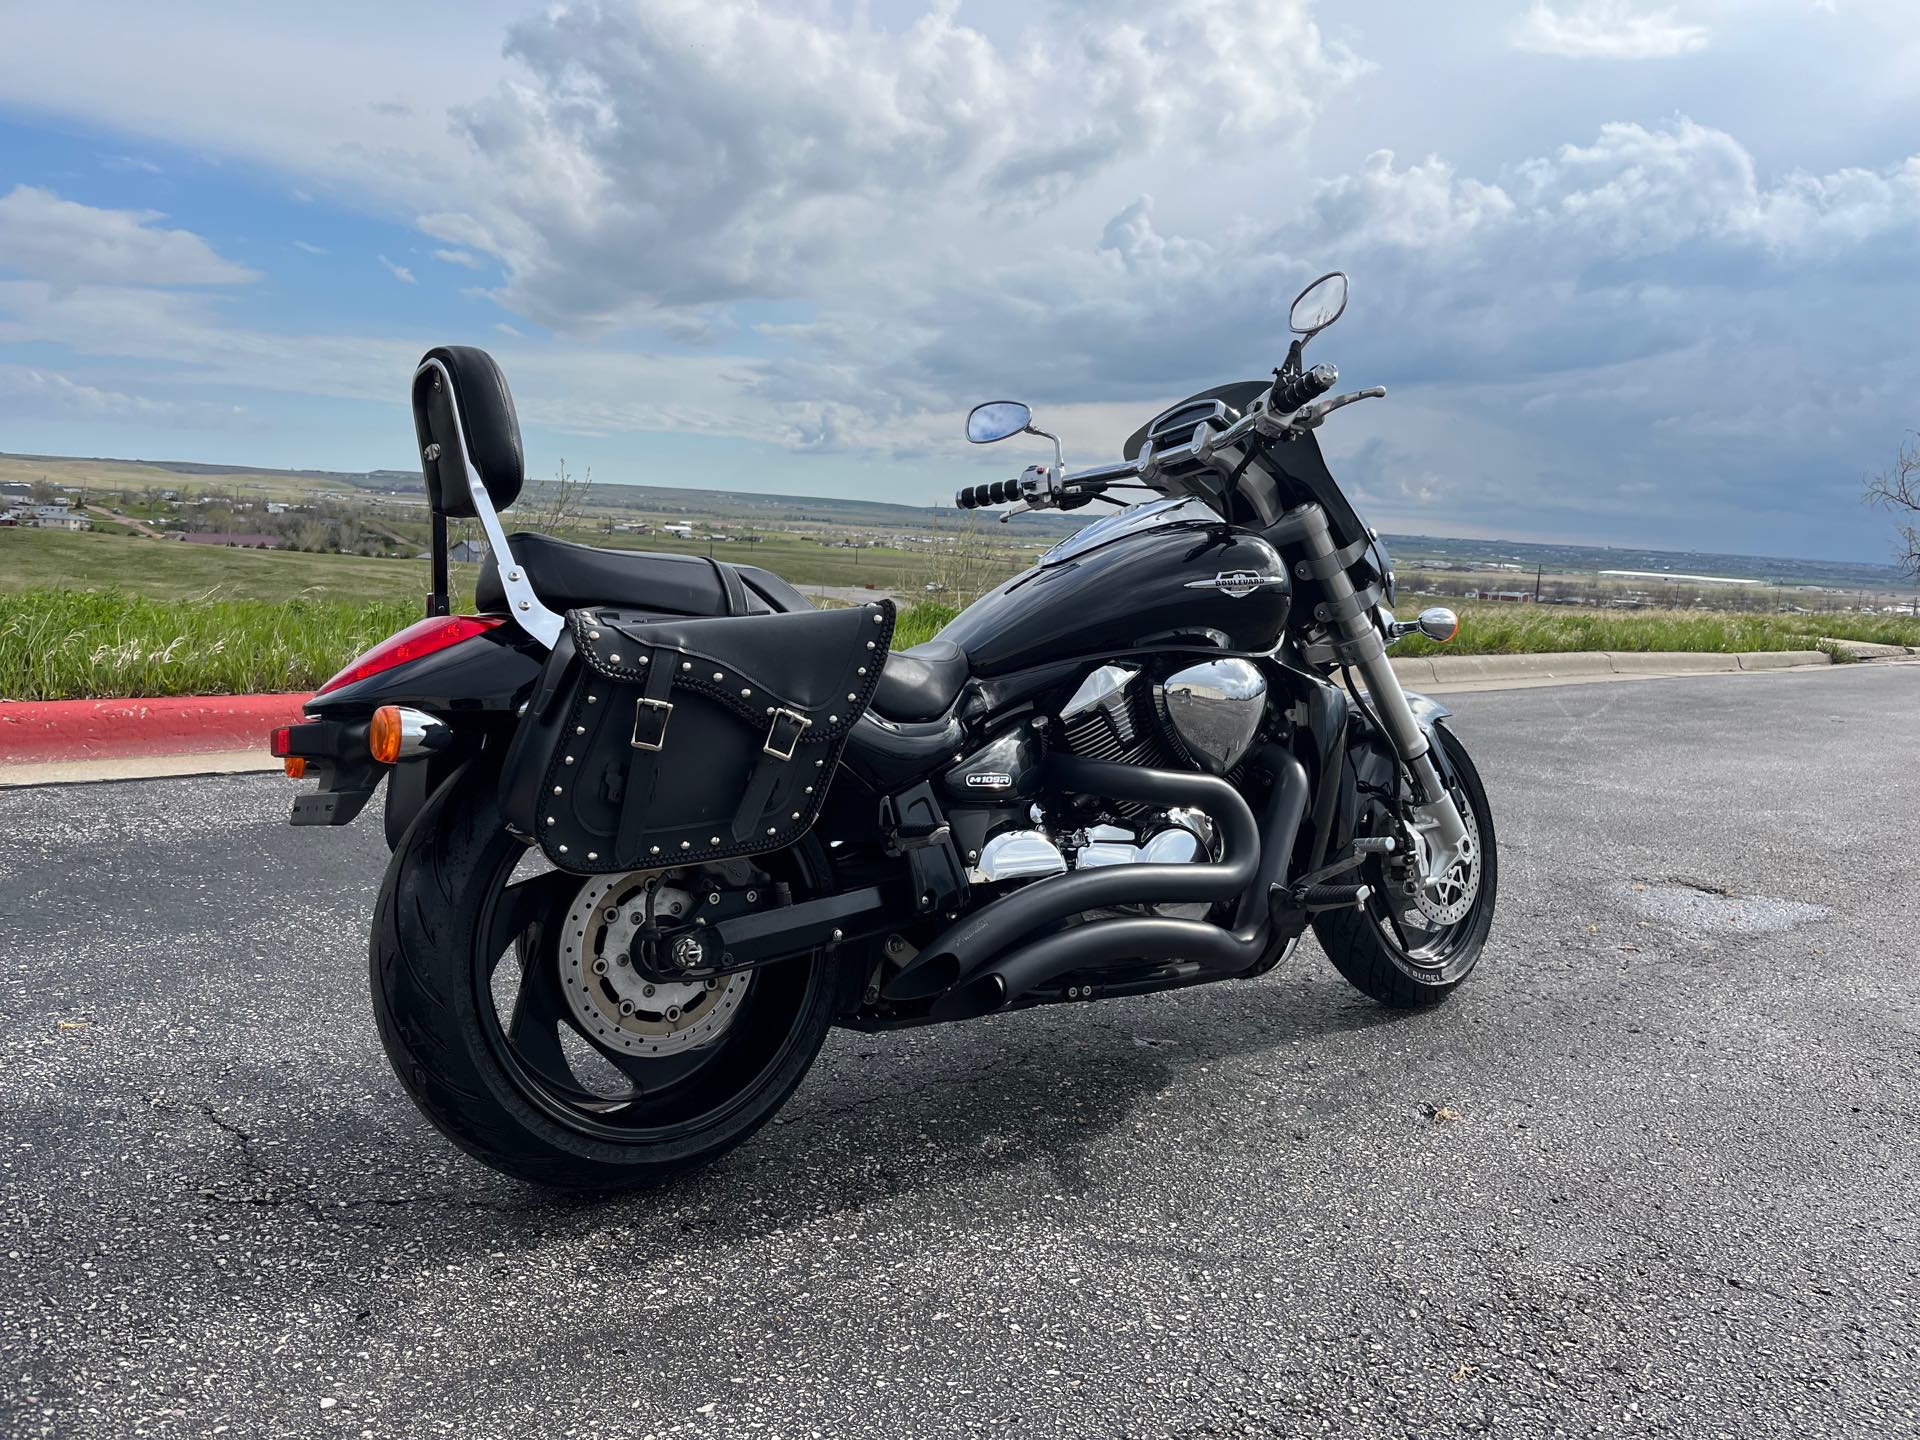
1288	408
1290	395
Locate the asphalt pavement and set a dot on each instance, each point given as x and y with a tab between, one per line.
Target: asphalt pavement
1653	1171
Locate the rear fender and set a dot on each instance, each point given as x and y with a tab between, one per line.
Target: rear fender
476	686
492	674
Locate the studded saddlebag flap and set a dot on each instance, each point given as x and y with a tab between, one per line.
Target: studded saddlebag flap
684	741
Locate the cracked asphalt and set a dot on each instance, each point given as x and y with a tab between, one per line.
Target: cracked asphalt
1652	1171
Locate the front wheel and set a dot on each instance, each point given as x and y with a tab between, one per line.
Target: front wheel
523	1022
1409	949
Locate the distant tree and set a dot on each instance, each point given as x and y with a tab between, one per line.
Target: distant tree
1897	489
558	503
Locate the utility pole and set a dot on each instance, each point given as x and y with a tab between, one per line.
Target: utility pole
1538	570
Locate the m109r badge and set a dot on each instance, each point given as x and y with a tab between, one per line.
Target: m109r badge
1237	583
989	780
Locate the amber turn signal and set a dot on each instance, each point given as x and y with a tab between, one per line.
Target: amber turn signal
383	734
296	768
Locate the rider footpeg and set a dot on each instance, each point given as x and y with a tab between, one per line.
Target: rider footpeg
1330	897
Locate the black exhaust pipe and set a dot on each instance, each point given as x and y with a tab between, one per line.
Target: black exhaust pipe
1007	977
963	946
1149	937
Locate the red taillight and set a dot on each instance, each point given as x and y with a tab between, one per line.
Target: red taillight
419	639
280	742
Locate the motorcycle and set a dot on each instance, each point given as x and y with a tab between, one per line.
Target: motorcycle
657	824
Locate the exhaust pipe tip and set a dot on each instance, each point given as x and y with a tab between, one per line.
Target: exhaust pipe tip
981	996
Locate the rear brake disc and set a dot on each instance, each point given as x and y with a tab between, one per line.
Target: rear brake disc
617	1004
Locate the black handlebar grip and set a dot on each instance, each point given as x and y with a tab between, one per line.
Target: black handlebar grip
997	492
1290	395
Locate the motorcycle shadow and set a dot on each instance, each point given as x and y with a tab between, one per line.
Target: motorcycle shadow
942	1112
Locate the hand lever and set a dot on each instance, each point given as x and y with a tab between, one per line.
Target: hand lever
1310	416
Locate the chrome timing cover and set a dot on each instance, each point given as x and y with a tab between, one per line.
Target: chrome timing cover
1214	709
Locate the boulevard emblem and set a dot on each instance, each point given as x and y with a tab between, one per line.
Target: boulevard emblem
1237	583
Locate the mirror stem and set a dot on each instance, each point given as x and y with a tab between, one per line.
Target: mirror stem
1059	459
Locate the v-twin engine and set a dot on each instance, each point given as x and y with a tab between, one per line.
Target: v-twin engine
1202	717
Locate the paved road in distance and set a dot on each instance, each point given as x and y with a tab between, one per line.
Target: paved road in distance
1679	1196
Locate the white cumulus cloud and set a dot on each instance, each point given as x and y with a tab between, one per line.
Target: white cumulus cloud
1607	30
48	238
661	158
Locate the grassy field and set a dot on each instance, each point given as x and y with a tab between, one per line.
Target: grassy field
115	615
1500	629
101	644
171	570
66	644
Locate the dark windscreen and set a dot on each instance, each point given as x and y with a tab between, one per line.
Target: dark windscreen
1239	394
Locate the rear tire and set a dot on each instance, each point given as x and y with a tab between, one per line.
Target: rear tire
1362	942
444	1035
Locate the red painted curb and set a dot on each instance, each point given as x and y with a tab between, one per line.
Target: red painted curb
35	731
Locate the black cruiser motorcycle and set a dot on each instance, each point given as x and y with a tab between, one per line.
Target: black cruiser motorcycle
657	823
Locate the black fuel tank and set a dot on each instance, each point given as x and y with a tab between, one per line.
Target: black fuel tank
1175	576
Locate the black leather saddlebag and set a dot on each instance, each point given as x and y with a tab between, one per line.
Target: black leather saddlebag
675	742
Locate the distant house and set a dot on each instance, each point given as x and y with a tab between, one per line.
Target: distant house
467	552
60	517
234	541
679	532
1509	597
276	507
7	517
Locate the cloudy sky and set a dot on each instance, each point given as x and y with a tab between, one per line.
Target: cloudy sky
1634	272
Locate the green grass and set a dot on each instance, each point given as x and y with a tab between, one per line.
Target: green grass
68	644
102	644
1546	629
921	621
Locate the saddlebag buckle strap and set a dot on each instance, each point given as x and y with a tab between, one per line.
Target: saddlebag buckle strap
650	719
784	733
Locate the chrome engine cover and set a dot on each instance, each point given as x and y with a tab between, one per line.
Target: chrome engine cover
1215	709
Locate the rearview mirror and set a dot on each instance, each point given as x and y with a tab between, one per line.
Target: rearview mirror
1319	305
996	420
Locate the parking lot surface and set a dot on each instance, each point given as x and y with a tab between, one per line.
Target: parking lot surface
1653	1171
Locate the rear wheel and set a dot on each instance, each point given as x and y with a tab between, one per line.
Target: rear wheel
518	1011
1410	949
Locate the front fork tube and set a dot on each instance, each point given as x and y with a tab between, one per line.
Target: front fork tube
1435	819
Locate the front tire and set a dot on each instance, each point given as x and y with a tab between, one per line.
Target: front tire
446	925
1387	955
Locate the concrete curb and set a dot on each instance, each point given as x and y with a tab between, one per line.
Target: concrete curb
1577	667
1868	650
38	732
138	767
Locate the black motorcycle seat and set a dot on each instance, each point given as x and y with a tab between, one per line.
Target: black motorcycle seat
921	683
567	576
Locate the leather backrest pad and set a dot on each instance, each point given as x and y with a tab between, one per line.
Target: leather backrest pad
487	422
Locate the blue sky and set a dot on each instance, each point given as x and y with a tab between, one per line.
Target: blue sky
1634	272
